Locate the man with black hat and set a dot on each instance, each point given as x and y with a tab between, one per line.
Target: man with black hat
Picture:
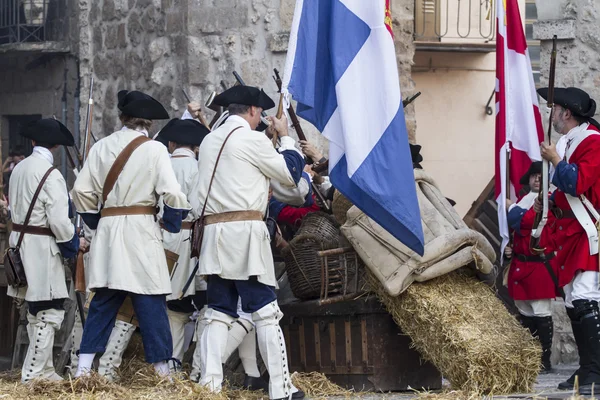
182	137
529	281
236	164
47	237
577	178
116	193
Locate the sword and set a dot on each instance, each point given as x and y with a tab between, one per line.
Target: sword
190	280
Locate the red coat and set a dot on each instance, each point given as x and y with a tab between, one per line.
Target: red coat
572	248
531	280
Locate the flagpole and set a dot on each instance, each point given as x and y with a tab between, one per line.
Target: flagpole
507	183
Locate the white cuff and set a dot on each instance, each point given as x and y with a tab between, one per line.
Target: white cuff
325	186
288	143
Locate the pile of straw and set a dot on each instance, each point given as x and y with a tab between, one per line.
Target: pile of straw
459	325
316	385
138	381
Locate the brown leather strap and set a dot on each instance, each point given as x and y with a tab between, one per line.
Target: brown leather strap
182	157
33	230
119	164
212	178
131	210
187	224
233	216
33	200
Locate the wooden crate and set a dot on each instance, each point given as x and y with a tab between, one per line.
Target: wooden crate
356	344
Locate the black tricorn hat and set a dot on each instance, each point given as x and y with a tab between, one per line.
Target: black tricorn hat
574	99
140	105
534	168
48	130
183	131
247	95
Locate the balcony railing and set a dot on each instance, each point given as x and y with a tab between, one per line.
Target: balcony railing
26	21
444	23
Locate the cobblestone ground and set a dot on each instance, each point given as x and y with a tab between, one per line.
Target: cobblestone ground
545	388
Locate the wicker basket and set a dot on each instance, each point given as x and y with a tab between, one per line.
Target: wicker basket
340	207
320	224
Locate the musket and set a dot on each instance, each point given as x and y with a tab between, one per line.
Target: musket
542	217
199	114
406	102
80	285
300	133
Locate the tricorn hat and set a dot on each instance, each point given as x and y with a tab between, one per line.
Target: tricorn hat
48	130
574	99
534	168
140	105
247	95
183	131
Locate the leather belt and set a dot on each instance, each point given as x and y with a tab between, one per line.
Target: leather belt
563	214
187	224
32	230
540	258
233	216
131	210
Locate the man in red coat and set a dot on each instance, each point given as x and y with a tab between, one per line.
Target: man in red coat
530	283
577	199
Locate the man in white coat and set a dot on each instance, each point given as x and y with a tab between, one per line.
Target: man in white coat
182	137
48	237
236	253
127	257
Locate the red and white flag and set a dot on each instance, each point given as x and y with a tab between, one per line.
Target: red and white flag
519	130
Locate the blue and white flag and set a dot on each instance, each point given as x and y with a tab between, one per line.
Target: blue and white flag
341	69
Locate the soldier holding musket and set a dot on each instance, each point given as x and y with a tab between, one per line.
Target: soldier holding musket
577	199
236	164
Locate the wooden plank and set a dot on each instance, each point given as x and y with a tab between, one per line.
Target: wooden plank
317	344
483	197
489	235
348	332
313	309
332	351
302	345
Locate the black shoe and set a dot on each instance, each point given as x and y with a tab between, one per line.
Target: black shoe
588	314
569	384
255	384
545	332
299	395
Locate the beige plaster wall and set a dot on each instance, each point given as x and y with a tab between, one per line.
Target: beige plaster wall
456	134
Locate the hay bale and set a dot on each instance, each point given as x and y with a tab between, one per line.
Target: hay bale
459	325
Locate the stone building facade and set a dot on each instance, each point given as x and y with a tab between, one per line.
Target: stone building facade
164	46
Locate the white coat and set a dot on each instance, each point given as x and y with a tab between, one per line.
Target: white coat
240	249
127	251
41	256
186	170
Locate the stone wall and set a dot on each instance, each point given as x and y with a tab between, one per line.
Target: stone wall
575	22
133	45
163	46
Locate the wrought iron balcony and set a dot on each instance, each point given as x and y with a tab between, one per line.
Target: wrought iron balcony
455	25
33	21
